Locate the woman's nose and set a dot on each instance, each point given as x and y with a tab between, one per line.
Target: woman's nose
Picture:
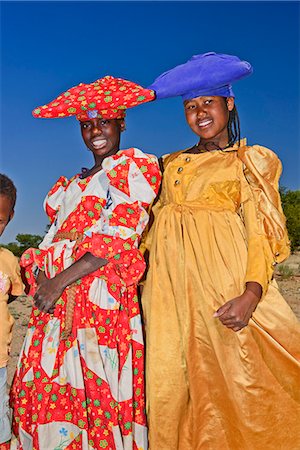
201	112
96	130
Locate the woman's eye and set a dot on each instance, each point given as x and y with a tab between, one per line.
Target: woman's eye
190	107
207	102
103	122
85	125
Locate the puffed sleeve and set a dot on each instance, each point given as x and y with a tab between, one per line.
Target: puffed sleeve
134	179
54	198
35	257
265	222
52	205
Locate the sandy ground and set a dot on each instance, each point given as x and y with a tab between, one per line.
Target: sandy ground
21	308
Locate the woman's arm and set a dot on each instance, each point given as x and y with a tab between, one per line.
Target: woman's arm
264	223
50	289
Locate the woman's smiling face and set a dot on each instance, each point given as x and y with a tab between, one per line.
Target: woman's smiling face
102	136
208	117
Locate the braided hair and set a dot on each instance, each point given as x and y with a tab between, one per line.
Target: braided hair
8	189
233	126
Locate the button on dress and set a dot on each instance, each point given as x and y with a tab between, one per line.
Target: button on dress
208	387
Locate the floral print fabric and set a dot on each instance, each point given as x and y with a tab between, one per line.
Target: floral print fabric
87	391
106	98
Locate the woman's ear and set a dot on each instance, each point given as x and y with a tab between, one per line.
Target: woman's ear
122	125
230	103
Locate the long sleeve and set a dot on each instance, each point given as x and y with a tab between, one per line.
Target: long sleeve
134	180
264	220
54	197
133	183
52	203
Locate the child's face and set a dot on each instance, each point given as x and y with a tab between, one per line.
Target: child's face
208	117
6	212
102	136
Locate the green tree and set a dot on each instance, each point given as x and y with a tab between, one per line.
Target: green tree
24	241
291	208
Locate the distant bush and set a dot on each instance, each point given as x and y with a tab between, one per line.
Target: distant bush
24	241
291	208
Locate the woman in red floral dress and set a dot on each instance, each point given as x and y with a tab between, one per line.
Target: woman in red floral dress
80	378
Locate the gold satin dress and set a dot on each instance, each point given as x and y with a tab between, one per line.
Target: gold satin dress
218	224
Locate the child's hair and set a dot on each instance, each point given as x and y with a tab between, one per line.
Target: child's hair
8	189
233	127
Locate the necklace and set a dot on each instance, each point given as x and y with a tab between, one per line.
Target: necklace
210	147
85	172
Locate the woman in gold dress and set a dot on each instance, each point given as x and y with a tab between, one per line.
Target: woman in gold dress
223	347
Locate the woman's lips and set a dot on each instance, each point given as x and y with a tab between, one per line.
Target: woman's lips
99	143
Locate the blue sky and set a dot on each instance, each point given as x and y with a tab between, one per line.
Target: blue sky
47	47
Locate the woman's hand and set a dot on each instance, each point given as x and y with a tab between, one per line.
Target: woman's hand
49	290
236	313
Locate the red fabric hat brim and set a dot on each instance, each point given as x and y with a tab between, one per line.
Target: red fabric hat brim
107	98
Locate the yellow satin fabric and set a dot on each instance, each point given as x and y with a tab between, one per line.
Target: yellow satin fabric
209	388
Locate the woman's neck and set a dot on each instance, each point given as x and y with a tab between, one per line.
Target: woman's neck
98	159
97	165
207	146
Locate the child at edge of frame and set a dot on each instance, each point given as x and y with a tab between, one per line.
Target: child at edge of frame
11	287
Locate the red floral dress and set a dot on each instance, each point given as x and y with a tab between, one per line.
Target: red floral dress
86	391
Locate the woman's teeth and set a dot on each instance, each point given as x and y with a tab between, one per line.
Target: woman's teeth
204	123
99	143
